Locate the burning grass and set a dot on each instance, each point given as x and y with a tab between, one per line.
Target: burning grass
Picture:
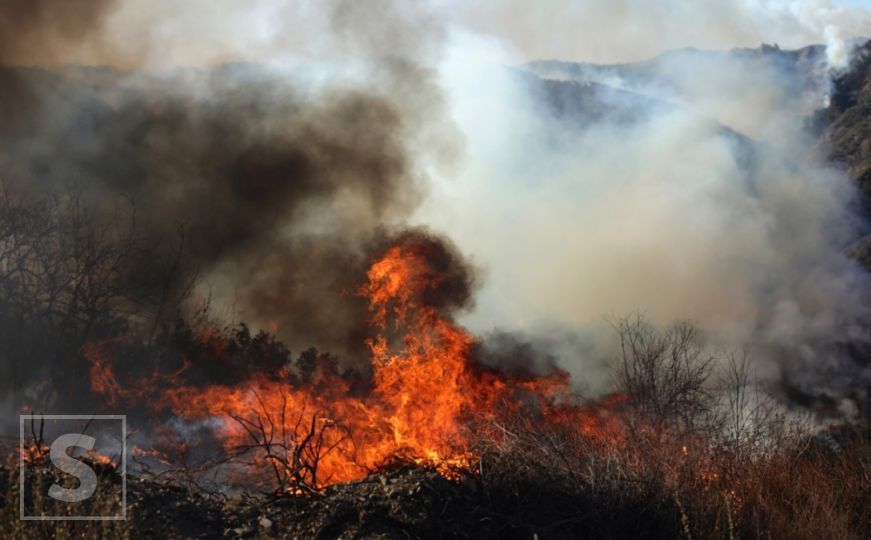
681	449
429	441
312	428
530	480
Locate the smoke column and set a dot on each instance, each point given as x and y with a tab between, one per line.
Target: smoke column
288	140
697	197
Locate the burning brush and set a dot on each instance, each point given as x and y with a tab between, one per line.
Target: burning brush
304	427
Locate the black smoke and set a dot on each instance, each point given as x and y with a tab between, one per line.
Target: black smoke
137	198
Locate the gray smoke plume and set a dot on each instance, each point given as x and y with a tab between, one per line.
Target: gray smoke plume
278	145
269	187
683	187
37	30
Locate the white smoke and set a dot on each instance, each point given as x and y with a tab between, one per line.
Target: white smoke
607	31
165	33
659	215
666	215
830	23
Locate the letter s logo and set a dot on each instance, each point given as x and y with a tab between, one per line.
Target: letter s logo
86	475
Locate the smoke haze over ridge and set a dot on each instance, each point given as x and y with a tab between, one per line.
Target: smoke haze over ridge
665	212
290	149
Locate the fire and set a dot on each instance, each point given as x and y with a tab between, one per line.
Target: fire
31	452
427	392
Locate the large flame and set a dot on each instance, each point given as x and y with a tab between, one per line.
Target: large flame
426	394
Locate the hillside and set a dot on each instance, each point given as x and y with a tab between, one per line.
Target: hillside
844	128
844	136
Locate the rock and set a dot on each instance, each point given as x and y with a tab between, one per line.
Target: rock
265	522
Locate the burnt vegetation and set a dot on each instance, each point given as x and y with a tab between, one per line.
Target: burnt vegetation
687	446
99	309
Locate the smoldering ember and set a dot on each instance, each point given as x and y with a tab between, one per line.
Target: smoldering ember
436	269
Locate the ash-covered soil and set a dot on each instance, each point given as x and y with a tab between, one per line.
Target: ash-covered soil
406	503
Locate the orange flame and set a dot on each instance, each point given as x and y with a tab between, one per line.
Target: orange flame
426	392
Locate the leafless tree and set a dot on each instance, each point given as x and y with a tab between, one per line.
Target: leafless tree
70	272
664	374
292	443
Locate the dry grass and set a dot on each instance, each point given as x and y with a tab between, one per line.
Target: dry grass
705	455
38	478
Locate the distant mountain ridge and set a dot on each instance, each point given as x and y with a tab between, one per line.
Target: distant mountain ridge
797	66
842	129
